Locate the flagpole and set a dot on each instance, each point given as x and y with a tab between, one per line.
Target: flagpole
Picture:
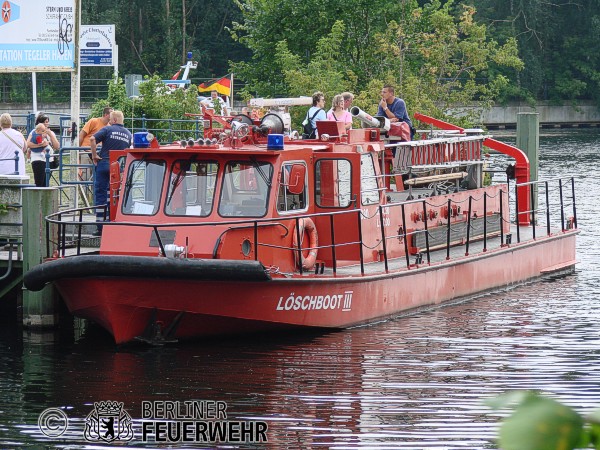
231	90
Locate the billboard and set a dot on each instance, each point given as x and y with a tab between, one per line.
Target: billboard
96	45
37	36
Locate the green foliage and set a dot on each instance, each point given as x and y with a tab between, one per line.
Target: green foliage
435	59
164	108
558	41
3	208
541	423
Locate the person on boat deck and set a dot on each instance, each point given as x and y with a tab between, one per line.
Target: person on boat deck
348	99
393	107
112	137
35	149
338	113
11	141
316	111
215	99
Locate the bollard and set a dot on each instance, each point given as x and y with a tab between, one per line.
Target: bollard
528	140
39	308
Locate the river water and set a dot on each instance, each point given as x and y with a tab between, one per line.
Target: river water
416	382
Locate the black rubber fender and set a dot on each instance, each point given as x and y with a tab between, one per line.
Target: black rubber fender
143	267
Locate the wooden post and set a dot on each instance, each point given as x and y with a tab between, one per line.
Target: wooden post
528	140
39	308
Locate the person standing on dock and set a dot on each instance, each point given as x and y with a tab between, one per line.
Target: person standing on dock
11	141
35	149
90	128
94	125
112	137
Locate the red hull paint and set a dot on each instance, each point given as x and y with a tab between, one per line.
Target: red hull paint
124	306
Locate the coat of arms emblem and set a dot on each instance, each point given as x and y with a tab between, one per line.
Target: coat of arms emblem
108	422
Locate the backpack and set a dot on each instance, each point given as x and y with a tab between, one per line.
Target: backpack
308	131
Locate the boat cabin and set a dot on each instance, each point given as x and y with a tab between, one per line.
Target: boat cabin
295	204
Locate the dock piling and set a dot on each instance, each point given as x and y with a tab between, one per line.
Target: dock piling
528	140
39	308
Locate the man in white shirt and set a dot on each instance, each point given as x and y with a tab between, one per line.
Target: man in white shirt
216	100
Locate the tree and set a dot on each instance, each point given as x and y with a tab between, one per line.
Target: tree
557	42
436	60
154	36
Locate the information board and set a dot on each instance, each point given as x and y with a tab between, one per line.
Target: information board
37	36
96	45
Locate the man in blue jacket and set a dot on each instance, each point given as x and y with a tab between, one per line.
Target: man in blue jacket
393	107
112	137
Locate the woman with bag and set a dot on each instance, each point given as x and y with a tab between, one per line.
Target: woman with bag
36	143
11	141
338	113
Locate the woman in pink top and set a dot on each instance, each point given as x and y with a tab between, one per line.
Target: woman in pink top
338	113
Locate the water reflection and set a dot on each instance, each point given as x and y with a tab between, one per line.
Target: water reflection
415	382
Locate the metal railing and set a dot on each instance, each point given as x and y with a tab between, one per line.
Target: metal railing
491	223
167	130
16	160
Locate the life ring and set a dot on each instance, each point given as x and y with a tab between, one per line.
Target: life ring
306	226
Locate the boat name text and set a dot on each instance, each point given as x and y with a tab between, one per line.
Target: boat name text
313	302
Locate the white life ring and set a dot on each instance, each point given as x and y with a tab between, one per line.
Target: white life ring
306	226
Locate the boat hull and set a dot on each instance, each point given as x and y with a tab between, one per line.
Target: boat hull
125	304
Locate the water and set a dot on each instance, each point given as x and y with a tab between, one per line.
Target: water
416	382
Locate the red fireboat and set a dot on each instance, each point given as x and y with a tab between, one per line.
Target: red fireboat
249	229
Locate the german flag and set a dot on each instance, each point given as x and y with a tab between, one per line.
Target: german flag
222	85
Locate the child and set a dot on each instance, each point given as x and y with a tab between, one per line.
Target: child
38	136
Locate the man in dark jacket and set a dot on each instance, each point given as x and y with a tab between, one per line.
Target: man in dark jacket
112	137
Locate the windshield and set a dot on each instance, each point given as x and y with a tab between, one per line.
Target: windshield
143	187
245	190
191	188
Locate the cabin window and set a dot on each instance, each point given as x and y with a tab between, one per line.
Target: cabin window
143	187
191	188
333	183
286	201
245	189
369	191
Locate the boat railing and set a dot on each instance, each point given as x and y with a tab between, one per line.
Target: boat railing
561	198
542	194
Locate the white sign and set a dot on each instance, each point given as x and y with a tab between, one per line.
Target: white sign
37	36
96	45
